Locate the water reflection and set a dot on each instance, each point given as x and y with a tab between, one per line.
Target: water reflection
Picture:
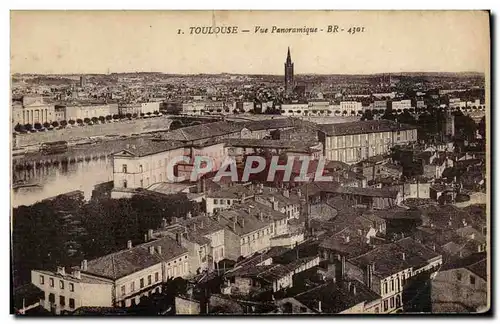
50	180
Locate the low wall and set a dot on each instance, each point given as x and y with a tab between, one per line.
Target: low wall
73	133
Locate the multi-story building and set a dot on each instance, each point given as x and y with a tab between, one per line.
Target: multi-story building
356	141
90	111
389	268
147	162
400	105
294	109
244	232
351	107
32	110
116	279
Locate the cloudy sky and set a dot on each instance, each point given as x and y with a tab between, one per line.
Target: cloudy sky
127	41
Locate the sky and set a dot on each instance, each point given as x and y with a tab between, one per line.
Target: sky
66	42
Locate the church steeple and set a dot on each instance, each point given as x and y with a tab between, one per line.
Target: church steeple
289	83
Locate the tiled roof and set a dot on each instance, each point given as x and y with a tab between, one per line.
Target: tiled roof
336	297
362	127
203	131
125	262
479	268
143	146
395	257
246	223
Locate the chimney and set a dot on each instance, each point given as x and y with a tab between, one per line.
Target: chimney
77	274
354	289
151	249
158	249
369	275
163	222
61	271
146	238
434	247
242	222
201	224
261	216
150	234
319	307
178	238
235	220
194	227
275	205
346	239
299	193
129	244
83	266
189	215
403	256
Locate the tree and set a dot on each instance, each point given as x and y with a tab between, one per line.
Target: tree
134	115
28	127
55	123
38	126
19	128
116	117
46	125
482	128
142	115
345	112
95	120
337	112
109	117
71	122
79	121
102	119
64	123
156	112
367	115
86	120
129	115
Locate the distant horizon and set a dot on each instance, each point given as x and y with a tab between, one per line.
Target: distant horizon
250	74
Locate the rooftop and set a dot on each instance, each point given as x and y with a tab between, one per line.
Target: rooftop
362	127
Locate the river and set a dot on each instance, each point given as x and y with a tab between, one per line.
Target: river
52	180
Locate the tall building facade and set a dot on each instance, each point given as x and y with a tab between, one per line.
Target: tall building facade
289	82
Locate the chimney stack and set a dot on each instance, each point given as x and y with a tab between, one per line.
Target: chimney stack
129	244
150	234
403	256
189	215
178	238
146	238
158	249
201	224
77	274
194	227
299	193
61	271
261	216
151	249
319	307
163	222
84	265
354	289
346	239
275	205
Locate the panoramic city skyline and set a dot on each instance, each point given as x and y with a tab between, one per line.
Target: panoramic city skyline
120	42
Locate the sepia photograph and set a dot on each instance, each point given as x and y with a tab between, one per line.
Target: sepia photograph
213	162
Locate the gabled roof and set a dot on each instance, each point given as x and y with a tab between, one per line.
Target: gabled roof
125	262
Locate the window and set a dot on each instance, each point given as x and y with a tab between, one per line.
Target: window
216	201
398	301
42	280
124	183
142	183
149	279
123	290
157	277
142	283
52	298
62	300
472	280
61	284
51	282
377	310
392	302
385	288
71	303
392	284
71	287
386	305
459	276
124	168
140	168
132	286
